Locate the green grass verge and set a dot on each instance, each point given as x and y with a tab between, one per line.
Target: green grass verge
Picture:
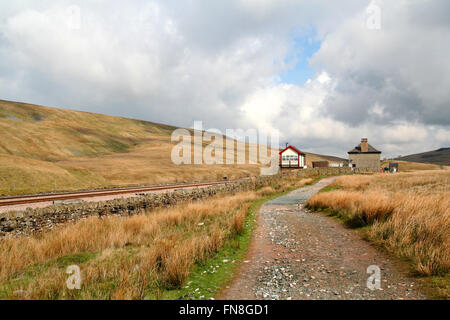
23	278
205	281
330	188
208	279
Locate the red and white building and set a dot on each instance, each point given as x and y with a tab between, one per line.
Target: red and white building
292	158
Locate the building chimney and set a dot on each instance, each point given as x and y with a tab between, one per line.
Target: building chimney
364	145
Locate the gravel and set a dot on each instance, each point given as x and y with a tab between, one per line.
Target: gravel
297	254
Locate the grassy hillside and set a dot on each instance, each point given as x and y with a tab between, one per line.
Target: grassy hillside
440	157
406	166
52	134
46	149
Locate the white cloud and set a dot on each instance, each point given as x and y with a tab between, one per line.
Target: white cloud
324	78
220	62
403	66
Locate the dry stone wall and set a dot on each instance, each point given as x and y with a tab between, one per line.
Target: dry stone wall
42	219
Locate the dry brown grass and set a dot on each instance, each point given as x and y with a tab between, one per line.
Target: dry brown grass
71	150
265	191
133	252
95	234
353	182
409	213
128	257
304	182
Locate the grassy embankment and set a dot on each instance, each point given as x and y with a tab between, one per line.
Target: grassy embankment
47	149
162	254
408	214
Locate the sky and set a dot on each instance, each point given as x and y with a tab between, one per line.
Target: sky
323	74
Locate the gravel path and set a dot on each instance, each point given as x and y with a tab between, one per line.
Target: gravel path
296	254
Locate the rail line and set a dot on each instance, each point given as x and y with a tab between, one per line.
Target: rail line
16	200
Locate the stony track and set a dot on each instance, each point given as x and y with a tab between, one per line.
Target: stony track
296	254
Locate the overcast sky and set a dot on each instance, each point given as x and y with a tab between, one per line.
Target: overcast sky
322	73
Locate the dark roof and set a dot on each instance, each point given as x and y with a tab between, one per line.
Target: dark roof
293	148
357	149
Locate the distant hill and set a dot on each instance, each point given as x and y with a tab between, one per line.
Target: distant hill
439	157
409	166
46	149
319	157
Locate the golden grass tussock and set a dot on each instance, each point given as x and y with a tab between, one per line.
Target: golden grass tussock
265	191
94	234
154	249
353	182
420	228
360	208
409	214
304	182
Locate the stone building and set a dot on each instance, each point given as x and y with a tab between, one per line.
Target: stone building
364	156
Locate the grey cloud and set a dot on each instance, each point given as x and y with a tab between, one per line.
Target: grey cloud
176	62
403	66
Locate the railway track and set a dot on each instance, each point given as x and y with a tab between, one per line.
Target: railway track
17	200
